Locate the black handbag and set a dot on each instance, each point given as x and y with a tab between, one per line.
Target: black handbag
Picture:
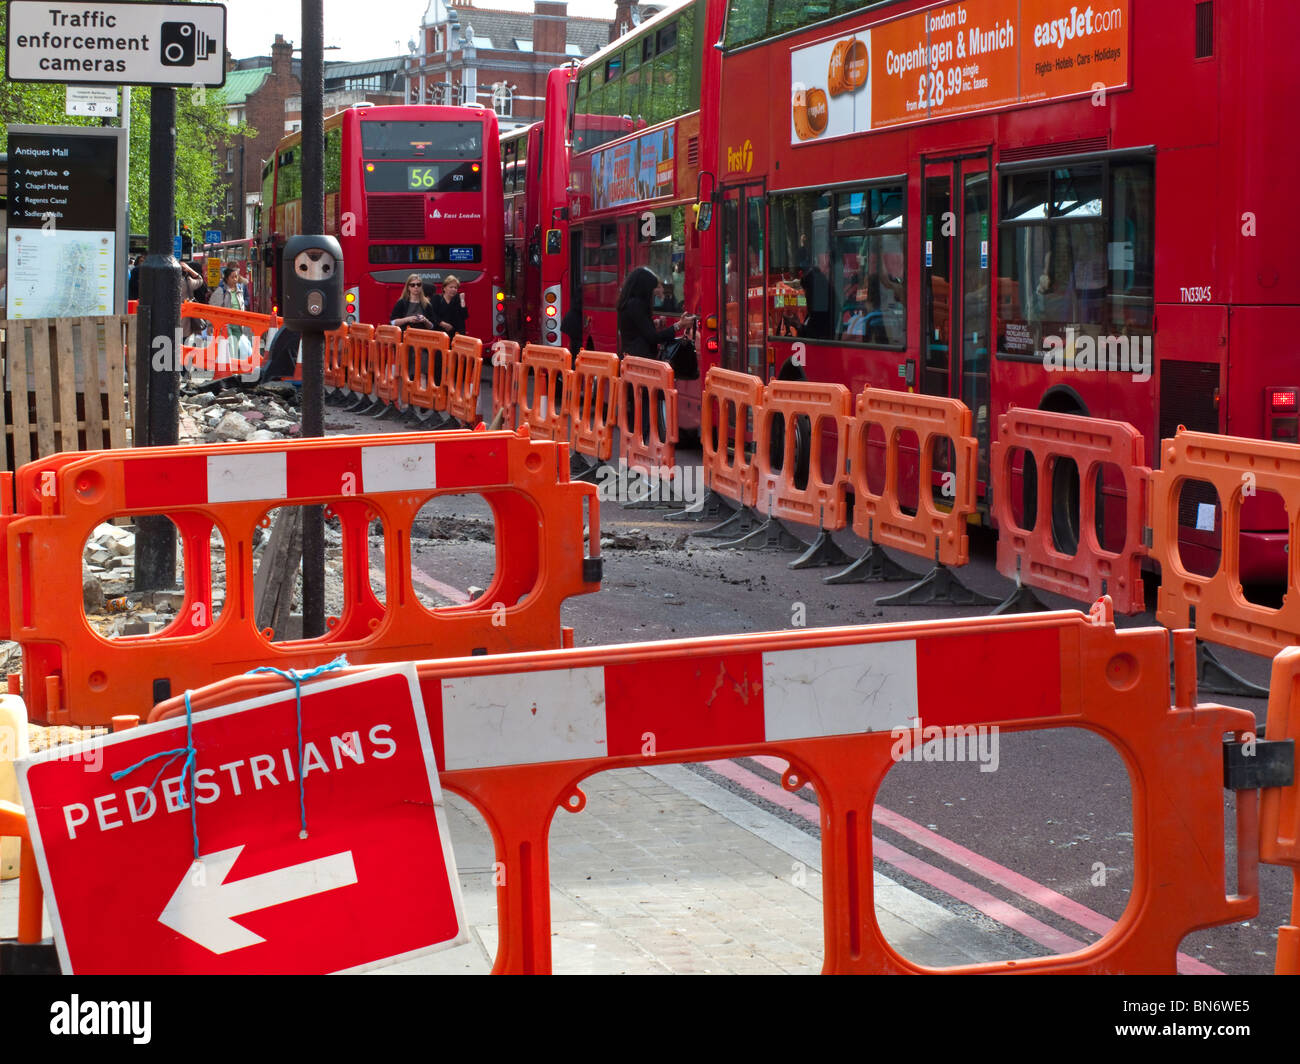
680	354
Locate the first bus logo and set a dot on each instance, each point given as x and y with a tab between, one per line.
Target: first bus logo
741	160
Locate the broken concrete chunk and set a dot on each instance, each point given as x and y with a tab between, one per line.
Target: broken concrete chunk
92	595
234	426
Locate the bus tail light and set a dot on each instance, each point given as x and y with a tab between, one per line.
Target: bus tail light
352	309
500	324
711	322
711	345
1282	413
551	315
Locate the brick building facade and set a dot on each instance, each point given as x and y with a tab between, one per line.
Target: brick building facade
256	92
467	54
459	54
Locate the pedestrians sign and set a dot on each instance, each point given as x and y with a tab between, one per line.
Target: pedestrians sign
212	236
90	100
373	880
116	43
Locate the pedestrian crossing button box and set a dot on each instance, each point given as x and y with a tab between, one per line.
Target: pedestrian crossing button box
313	283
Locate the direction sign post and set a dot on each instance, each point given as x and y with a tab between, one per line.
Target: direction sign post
212	236
158	332
313	341
373	881
135	43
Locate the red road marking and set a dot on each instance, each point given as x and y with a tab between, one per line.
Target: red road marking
1049	899
455	594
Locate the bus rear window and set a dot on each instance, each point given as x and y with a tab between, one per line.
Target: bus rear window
422	140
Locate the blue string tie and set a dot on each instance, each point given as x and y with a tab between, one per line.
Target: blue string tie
188	753
187	769
341	662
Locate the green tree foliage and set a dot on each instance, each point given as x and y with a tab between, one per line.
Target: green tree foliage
202	131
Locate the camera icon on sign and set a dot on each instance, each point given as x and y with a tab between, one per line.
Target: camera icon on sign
183	44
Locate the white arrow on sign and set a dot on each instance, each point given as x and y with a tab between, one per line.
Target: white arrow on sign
203	907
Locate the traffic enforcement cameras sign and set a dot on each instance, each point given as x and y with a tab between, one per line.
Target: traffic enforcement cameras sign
117	44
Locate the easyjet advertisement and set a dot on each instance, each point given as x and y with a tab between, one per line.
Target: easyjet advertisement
954	59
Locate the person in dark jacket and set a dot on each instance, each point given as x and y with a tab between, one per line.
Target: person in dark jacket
449	310
637	334
414	308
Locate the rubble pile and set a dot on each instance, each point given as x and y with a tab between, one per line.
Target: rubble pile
113	608
266	412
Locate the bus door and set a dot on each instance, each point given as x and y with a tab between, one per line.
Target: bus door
743	280
956	278
575	285
627	250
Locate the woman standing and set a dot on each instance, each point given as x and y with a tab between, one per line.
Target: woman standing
637	334
414	308
229	295
450	312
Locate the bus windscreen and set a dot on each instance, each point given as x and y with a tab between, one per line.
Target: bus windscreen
422	140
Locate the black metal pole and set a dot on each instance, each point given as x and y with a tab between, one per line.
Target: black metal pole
157	350
313	341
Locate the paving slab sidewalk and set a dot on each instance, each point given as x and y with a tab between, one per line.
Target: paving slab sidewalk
667	872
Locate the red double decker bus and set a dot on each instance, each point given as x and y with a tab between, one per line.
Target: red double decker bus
1039	203
641	123
408	189
534	177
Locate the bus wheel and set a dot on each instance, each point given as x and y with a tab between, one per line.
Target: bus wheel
1065	506
802	448
802	434
1066	496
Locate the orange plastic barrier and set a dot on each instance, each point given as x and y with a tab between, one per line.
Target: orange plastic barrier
648	415
797	695
1237	468
934	531
73	675
1093	444
31	899
336	357
821	502
424	370
729	416
594	400
548	370
464	379
505	386
389	354
1279	807
221	355
361	355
